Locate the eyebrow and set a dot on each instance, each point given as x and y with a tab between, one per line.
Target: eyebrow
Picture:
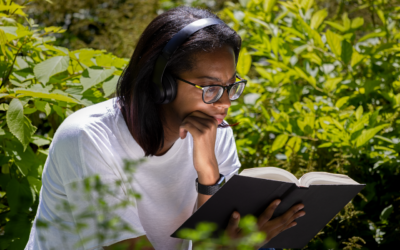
215	78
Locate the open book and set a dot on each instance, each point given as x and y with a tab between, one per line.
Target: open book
312	178
323	195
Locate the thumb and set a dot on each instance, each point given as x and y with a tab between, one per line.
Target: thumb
233	225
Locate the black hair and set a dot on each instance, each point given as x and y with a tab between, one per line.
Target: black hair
135	89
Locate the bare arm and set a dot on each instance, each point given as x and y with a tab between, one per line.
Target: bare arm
141	243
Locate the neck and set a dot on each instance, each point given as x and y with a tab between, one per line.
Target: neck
171	131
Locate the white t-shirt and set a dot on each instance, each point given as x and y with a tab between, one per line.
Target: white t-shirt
96	141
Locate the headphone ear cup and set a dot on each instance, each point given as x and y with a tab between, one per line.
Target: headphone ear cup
170	88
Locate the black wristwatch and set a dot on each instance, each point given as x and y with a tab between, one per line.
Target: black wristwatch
210	190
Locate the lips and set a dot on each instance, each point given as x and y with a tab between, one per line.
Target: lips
219	117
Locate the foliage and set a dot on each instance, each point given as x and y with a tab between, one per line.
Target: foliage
324	95
41	84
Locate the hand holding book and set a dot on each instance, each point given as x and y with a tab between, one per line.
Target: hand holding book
270	227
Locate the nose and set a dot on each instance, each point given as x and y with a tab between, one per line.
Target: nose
224	101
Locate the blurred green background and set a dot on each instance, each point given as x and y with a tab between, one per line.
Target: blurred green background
323	95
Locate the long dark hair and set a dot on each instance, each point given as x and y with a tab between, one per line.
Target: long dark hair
135	89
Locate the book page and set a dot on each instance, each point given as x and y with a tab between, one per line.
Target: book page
270	173
324	178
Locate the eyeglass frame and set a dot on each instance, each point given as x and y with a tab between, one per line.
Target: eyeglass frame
228	88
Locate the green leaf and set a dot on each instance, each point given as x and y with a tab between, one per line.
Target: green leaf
3	107
94	75
20	126
293	146
59	111
366	135
41	94
347	51
384	139
35	183
334	41
336	26
279	142
372	35
244	62
44	70
20	196
318	18
325	145
43	106
356	58
359	112
357	22
386	212
110	85
28	111
331	83
268	6
342	101
40	140
381	16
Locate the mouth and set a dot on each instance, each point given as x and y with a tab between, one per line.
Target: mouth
219	117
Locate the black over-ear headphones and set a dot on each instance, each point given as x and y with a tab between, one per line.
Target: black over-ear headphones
163	80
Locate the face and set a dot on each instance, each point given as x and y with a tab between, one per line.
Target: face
215	68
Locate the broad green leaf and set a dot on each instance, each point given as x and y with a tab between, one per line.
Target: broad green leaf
93	76
338	124
359	112
366	135
35	183
384	139
269	5
19	125
386	212
356	58
40	140
332	83
28	111
20	196
372	35
279	142
3	107
381	16
306	4
3	41
357	22
43	106
336	26
40	94
44	70
293	146
109	86
346	21
342	101
347	51
334	41
244	62
325	145
59	111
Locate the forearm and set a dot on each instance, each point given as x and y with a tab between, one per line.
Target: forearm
206	178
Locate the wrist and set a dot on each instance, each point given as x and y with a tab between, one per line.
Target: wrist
208	177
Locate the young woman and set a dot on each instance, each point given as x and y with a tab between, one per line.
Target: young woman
170	109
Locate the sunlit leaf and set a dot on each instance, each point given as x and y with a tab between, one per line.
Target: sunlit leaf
347	51
19	125
44	70
279	142
268	5
93	76
368	134
342	101
40	94
244	62
334	41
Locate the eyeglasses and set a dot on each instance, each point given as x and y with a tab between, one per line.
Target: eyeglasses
213	93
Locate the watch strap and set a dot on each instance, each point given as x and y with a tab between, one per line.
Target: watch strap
212	189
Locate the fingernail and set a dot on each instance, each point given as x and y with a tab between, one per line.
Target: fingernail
294	225
235	215
301	215
277	203
300	208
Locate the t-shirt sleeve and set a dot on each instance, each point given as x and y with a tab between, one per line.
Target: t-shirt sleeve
226	153
98	196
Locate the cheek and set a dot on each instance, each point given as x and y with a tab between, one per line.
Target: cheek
188	100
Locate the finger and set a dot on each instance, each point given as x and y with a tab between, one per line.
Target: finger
268	212
233	225
203	116
187	127
286	218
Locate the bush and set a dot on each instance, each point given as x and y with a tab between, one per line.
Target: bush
324	95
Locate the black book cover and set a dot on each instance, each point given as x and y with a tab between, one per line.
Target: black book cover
249	195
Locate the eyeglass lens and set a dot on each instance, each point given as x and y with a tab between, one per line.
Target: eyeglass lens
212	94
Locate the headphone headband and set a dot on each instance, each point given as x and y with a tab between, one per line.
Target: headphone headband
172	46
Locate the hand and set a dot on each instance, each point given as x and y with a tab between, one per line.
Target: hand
271	227
203	128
